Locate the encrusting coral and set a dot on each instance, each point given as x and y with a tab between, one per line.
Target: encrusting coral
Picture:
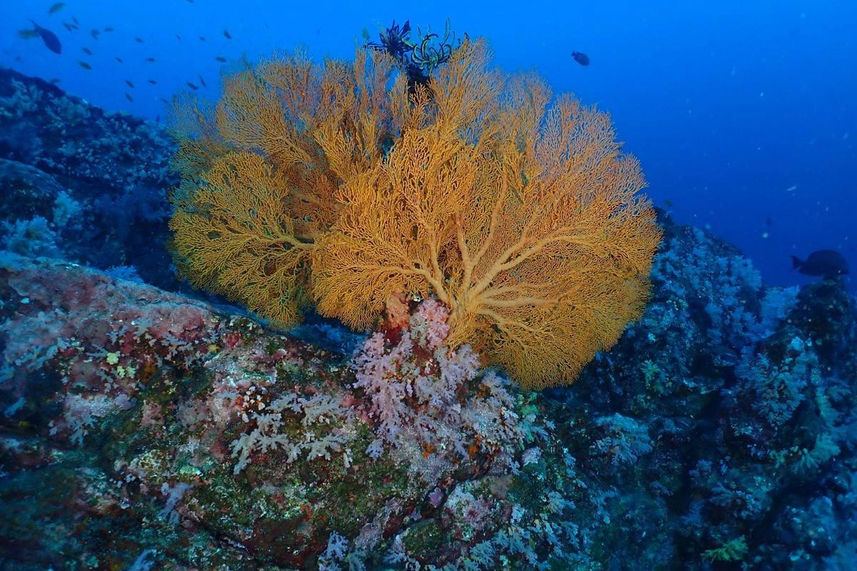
338	185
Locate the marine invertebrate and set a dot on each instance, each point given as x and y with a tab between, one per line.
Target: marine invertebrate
523	219
351	187
260	171
418	59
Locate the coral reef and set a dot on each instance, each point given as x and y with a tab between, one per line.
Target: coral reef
80	183
522	218
718	431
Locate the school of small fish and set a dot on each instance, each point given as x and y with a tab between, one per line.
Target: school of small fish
52	42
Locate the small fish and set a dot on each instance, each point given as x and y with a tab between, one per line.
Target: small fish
74	19
221	59
84	65
55	80
226	34
129	84
153	82
826	263
178	37
129	98
150	59
202	81
163	99
68	27
86	50
50	39
192	86
107	29
202	38
94	33
56	7
138	40
580	58
119	59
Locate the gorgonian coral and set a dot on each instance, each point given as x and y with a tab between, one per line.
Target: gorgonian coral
517	212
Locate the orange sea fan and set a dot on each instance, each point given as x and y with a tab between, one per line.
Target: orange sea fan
524	220
337	185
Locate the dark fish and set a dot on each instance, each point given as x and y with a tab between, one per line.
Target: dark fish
56	7
94	33
50	39
827	263
178	37
164	100
129	84
68	27
108	29
202	81
86	50
129	98
221	59
74	19
55	80
138	40
580	58
84	65
150	59
119	59
192	86
226	34
153	82
202	38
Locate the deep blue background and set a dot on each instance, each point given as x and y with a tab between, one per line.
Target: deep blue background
744	114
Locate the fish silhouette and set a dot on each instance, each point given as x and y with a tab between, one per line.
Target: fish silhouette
580	58
50	39
827	263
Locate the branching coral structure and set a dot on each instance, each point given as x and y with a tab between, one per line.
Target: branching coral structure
517	212
261	168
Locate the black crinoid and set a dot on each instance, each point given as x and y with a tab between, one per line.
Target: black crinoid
417	58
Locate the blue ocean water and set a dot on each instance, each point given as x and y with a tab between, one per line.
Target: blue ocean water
742	113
